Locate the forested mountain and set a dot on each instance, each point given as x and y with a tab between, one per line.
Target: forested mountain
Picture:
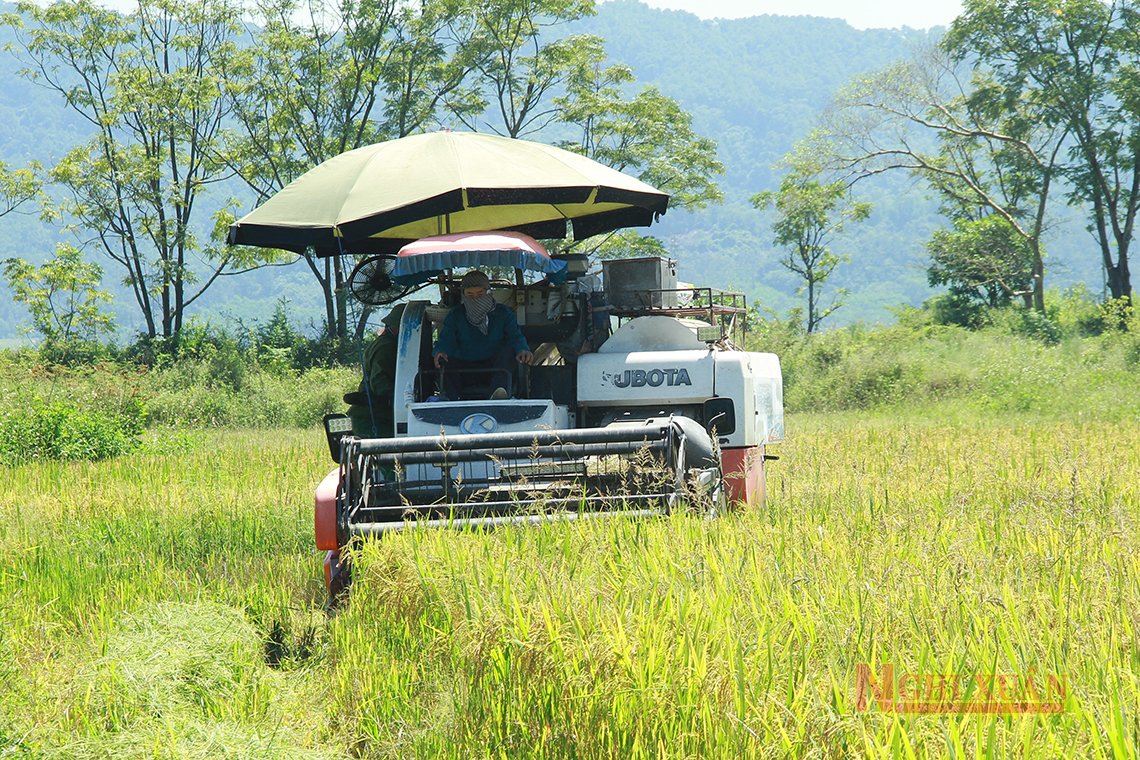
33	126
752	85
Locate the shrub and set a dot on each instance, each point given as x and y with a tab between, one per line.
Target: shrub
74	353
183	395
1132	350
1021	364
279	346
951	309
1076	311
1026	323
853	368
771	333
63	430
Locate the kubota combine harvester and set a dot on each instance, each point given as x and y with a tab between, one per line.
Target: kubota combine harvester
668	408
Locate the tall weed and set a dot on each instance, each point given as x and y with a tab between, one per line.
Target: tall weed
994	370
214	388
66	413
182	396
59	430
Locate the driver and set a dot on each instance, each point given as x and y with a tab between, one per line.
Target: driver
479	334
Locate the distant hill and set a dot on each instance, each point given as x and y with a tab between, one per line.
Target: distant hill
34	125
752	84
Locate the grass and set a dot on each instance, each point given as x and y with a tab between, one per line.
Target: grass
138	594
168	603
936	370
226	391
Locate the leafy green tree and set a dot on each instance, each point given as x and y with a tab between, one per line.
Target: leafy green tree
18	186
809	215
649	135
1077	64
520	66
322	78
149	85
62	296
940	120
620	244
982	260
389	70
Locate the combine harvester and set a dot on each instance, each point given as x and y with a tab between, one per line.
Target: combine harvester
668	409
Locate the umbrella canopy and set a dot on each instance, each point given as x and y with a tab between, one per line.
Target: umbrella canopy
380	197
419	261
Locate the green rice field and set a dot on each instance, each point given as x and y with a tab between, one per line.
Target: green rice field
169	603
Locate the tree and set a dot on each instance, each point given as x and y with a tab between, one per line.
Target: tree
626	244
569	85
649	135
18	186
323	78
390	70
1076	63
149	86
982	260
944	122
518	69
809	215
62	296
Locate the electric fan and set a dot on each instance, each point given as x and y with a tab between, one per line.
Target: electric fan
371	281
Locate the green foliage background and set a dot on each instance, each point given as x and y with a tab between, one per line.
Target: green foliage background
751	84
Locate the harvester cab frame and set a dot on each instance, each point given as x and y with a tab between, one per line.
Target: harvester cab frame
641	399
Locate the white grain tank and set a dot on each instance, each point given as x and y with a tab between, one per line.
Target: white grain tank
656	365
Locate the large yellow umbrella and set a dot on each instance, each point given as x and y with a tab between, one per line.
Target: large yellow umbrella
378	198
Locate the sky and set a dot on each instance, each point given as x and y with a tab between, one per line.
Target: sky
861	14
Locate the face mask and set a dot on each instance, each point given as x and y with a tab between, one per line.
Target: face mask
477	310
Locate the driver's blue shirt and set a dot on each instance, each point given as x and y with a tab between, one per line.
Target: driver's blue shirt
460	339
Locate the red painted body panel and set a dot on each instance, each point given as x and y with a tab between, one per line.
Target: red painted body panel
744	474
324	512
